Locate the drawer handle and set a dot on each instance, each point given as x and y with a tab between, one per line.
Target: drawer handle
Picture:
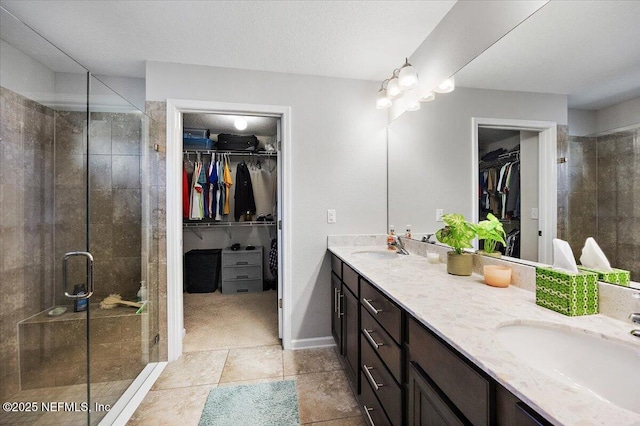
366	411
367	372
340	297
335	299
370	306
367	334
242	263
242	276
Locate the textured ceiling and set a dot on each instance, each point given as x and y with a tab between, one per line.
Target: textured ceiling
588	50
351	39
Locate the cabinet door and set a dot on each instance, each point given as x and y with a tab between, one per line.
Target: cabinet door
511	411
426	404
351	337
336	312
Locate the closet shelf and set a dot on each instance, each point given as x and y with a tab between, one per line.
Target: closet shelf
233	153
203	224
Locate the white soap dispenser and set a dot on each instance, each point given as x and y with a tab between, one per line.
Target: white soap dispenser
142	293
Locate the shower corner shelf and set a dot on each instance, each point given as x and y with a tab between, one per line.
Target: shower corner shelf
196	226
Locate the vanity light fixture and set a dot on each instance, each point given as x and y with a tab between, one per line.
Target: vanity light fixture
393	87
240	123
428	97
446	86
408	77
382	101
414	107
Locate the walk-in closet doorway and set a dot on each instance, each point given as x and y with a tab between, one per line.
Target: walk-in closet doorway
271	158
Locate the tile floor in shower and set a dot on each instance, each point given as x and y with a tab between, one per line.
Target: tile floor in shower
233	339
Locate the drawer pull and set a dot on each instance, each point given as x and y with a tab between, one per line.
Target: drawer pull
242	276
371	307
366	411
244	262
367	372
335	299
367	334
340	297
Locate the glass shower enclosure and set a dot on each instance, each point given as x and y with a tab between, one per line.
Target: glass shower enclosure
74	211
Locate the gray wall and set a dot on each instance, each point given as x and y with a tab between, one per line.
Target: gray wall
338	162
529	195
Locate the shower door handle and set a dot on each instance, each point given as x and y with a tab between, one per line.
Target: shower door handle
89	257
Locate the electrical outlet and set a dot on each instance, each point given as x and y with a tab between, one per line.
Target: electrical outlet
534	213
331	216
439	213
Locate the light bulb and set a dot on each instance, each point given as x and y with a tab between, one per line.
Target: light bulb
382	102
446	86
408	77
240	123
428	97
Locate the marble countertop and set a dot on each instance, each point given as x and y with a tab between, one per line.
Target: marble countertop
466	313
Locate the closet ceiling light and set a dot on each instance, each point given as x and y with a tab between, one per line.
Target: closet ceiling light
446	86
428	97
240	123
382	102
393	87
408	77
414	107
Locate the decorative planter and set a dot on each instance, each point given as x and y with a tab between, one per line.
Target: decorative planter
459	264
497	275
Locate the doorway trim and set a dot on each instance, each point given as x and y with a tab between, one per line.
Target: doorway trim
175	109
547	174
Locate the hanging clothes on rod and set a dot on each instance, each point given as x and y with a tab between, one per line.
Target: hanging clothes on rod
245	203
197	200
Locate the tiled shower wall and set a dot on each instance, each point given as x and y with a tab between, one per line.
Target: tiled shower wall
26	222
599	184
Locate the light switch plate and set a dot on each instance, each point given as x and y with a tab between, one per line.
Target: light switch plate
331	216
439	213
534	213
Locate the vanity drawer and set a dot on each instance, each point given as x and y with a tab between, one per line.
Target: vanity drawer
377	376
373	412
387	349
466	388
381	309
350	278
242	258
242	272
336	265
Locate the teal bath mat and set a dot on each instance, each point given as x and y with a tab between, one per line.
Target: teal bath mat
274	403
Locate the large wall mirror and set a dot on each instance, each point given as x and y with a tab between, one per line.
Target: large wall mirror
557	101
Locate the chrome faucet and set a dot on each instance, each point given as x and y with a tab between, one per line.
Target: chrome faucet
397	243
427	239
635	317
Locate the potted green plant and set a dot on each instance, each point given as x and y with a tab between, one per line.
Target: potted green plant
492	232
458	234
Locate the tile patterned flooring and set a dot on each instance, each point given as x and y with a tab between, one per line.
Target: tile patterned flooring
233	339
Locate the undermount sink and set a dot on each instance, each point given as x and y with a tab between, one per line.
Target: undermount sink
376	255
607	369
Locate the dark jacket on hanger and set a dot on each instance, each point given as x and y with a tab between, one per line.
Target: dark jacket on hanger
244	201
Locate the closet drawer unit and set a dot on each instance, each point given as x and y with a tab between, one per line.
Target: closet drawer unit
382	384
350	278
336	265
381	309
242	257
241	286
381	343
242	273
465	387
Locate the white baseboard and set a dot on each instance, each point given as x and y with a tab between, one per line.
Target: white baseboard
315	342
122	410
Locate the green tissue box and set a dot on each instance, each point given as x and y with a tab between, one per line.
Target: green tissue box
617	276
566	293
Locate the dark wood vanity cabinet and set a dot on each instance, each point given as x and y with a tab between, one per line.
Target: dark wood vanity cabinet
403	373
345	320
